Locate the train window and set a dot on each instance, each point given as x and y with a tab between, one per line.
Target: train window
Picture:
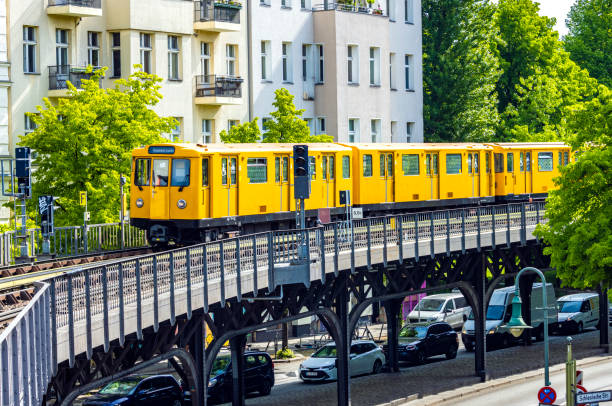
499	163
453	164
142	177
565	158
382	164
367	165
257	170
389	165
285	169
160	172
476	159
521	163
545	161
332	167
428	164
324	165
346	167
528	161
233	171
277	175
410	164
560	163
180	172
510	161
224	171
469	163
205	172
313	167
488	162
435	164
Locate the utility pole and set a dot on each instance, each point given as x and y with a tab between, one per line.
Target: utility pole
122	182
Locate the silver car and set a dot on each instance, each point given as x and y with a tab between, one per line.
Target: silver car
449	307
365	357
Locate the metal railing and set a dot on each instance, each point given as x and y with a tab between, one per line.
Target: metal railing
217	85
75	240
79	3
220	270
351	8
25	353
217	11
59	75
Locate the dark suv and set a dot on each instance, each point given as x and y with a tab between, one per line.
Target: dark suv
258	376
139	390
418	341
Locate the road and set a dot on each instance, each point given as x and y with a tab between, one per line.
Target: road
595	378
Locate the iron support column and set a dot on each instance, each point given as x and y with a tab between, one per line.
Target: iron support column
343	347
604	339
479	322
392	309
196	347
237	344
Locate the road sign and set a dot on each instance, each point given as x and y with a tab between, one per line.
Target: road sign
579	391
601	396
579	377
357	212
86	216
83	198
547	395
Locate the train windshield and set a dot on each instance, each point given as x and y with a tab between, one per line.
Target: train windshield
143	172
180	172
160	172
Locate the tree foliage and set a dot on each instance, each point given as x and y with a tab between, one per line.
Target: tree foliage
460	70
84	142
589	40
247	132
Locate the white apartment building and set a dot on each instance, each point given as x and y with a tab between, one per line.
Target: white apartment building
357	71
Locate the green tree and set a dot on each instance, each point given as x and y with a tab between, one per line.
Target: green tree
287	124
579	230
85	142
589	40
460	70
243	133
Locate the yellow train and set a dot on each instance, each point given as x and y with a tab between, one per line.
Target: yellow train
191	192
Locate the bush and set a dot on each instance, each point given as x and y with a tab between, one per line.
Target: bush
284	353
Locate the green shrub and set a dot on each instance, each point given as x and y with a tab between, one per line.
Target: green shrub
284	353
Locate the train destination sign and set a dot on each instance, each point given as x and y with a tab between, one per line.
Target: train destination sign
161	150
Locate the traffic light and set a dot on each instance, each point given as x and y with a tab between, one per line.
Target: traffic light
45	209
301	189
22	170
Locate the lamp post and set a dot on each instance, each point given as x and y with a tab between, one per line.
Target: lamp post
517	325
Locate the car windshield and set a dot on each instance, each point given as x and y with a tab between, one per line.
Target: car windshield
328	351
430	305
413	331
121	387
220	365
569	307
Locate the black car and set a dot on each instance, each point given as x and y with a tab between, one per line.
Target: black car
419	341
258	376
139	390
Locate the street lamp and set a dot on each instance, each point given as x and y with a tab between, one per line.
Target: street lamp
517	325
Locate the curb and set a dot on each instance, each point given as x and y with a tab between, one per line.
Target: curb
296	358
485	387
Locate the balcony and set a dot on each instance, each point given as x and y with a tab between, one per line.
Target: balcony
75	8
359	8
218	90
217	16
60	75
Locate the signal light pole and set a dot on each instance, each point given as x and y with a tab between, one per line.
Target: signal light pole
301	191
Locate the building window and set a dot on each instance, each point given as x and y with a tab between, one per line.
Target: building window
173	57
321	125
409	131
29	126
353	130
264	2
310	124
305	4
61	48
205	60
375	130
264	126
367	165
206	131
453	164
286	3
146	50
346	167
116	54
175	133
230	55
391	78
232	123
408	11
257	170
93	48
374	66
320	67
305	52
408	72
352	62
265	60
29	49
287	67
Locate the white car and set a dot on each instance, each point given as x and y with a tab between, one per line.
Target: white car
578	311
365	357
449	307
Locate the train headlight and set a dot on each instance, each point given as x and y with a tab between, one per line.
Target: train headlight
181	204
139	203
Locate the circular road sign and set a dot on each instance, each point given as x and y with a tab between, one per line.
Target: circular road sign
581	389
547	395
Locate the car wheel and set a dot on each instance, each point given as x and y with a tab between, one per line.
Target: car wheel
451	353
377	366
580	328
469	347
266	388
540	334
420	358
505	342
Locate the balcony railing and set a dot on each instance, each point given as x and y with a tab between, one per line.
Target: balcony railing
78	3
59	75
208	10
219	86
351	8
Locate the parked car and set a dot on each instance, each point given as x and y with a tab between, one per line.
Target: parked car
449	307
499	312
365	357
578	311
139	390
419	341
258	376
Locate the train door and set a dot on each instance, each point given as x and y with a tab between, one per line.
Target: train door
160	195
473	165
329	179
281	179
229	184
528	173
386	173
433	176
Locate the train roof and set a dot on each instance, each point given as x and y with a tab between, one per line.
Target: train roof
255	147
424	146
531	145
